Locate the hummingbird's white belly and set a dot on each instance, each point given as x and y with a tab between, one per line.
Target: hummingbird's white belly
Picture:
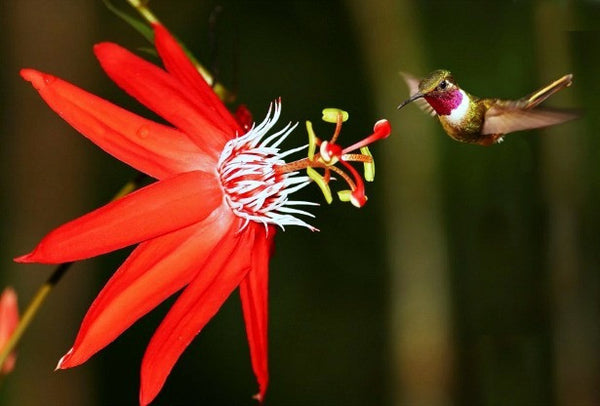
460	112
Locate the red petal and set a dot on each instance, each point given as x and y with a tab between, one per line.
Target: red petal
254	294
155	270
150	147
179	65
9	319
198	303
9	314
165	95
157	209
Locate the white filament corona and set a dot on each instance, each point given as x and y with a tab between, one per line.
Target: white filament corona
253	189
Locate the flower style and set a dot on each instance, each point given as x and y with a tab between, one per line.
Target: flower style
9	318
205	227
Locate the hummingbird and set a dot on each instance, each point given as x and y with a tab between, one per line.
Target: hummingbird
484	121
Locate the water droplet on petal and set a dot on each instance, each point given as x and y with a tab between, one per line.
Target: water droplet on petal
48	79
143	132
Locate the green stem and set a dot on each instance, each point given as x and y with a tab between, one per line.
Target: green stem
142	8
43	292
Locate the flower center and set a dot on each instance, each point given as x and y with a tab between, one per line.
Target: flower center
257	181
253	188
331	153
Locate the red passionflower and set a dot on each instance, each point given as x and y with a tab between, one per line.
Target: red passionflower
206	226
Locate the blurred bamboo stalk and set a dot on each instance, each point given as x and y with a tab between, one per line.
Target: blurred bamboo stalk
50	36
575	314
420	315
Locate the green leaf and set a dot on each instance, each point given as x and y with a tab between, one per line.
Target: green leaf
139	25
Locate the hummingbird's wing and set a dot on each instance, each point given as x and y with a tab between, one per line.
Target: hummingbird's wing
413	88
504	119
535	98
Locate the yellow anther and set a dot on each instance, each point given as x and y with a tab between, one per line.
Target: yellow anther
312	140
345	195
369	166
321	182
330	115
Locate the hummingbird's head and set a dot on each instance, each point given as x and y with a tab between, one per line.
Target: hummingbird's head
437	82
439	90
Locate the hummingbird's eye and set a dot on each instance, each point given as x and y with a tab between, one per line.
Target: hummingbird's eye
443	84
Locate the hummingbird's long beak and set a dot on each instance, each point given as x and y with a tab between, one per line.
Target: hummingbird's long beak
411	99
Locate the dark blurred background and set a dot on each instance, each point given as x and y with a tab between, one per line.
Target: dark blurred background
470	277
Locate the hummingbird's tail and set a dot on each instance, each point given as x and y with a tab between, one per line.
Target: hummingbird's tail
539	96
